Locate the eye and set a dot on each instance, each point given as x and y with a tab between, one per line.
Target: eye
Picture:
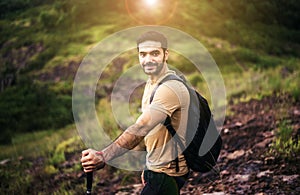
155	53
142	54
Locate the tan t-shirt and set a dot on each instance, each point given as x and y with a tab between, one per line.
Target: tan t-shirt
171	98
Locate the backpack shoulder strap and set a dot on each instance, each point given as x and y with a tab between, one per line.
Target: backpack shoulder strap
167	122
167	78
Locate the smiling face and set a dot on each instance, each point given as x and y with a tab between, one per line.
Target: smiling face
152	57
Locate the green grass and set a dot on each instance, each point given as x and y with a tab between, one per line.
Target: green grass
285	145
32	145
49	146
32	106
107	120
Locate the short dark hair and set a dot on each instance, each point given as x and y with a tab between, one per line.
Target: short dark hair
153	36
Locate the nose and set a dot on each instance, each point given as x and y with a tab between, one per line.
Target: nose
148	58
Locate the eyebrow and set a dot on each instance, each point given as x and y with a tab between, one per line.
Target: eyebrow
151	52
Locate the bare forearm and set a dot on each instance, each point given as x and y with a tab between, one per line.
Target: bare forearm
126	141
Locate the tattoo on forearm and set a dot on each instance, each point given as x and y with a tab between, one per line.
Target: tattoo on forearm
126	141
129	140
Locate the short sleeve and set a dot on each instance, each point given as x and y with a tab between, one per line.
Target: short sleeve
168	97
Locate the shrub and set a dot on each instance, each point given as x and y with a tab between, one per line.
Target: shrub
50	18
195	79
31	106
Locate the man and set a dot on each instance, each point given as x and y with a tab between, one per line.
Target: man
163	174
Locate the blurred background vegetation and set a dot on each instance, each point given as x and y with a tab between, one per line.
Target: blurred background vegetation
255	44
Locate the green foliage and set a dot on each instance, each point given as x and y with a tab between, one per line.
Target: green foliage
281	12
284	145
50	169
13	6
291	84
31	106
14	181
243	23
59	153
195	79
33	157
248	38
107	120
285	131
50	18
181	63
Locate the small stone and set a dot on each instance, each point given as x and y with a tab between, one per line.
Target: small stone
264	143
236	154
225	172
215	193
289	178
242	177
4	162
269	160
226	131
264	173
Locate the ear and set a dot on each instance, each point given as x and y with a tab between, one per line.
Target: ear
166	55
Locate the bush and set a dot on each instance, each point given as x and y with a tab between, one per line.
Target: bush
195	79
31	107
260	61
285	13
50	18
13	6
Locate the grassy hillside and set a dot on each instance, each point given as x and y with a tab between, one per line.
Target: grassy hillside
42	44
255	44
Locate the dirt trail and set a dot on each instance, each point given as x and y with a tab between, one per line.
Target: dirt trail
245	165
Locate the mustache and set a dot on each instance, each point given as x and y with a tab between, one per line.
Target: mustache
151	64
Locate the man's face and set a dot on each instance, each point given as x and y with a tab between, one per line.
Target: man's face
152	57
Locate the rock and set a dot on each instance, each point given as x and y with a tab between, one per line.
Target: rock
225	172
269	160
5	161
236	154
214	193
296	112
264	143
264	173
242	177
226	131
289	178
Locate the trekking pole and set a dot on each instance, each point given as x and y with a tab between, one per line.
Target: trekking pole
89	182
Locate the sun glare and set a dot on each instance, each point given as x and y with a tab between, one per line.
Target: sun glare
150	2
151	11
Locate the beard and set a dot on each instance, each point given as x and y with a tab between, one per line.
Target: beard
151	68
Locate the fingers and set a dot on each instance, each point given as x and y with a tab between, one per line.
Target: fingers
90	161
142	178
86	160
87	155
85	152
89	168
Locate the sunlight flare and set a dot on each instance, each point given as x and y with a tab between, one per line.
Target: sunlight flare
150	2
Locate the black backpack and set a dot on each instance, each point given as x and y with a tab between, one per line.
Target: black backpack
195	135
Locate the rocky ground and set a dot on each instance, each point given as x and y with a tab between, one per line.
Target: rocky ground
246	164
